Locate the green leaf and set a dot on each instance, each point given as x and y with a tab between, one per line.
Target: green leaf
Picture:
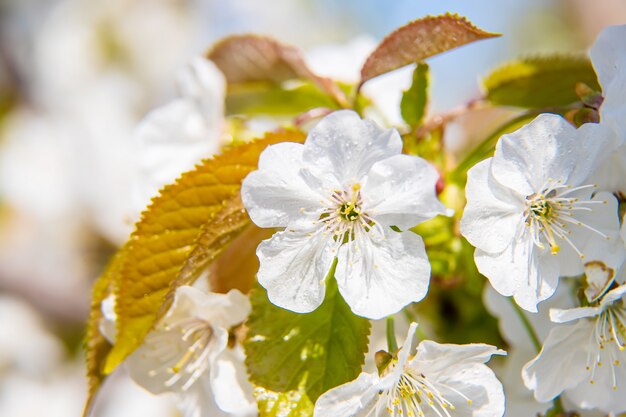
542	81
325	348
169	231
418	40
415	99
275	100
283	404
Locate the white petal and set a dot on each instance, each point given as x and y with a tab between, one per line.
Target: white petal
344	147
148	368
378	277
277	195
559	315
205	84
601	394
400	191
199	401
613	295
562	362
608	56
405	349
521	270
354	398
593	245
171	140
548	147
293	268
452	367
229	382
224	310
493	213
441	357
610	175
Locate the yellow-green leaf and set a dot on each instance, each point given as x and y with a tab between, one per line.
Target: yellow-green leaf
258	99
167	233
324	348
415	99
227	247
418	40
542	81
283	404
96	346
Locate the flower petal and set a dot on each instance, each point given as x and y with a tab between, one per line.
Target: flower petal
224	310
199	401
379	276
443	356
205	84
293	268
400	191
547	148
455	369
229	383
148	367
609	57
276	195
562	362
559	315
602	394
356	398
493	213
342	147
521	270
171	140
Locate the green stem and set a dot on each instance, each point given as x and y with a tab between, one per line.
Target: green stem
557	404
529	327
392	344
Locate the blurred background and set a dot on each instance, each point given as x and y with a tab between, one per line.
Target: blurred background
76	76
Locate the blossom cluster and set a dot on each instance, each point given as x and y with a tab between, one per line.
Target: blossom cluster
542	213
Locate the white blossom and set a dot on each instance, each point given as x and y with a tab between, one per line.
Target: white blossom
586	360
439	380
532	213
187	354
338	196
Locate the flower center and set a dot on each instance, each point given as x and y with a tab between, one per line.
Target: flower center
182	349
345	217
413	394
349	211
610	336
551	213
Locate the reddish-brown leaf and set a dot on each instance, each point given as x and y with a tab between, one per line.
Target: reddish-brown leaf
254	58
418	40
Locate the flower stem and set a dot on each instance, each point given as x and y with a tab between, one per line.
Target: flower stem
392	344
557	405
529	327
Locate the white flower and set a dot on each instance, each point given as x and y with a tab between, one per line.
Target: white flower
175	137
187	353
531	213
608	56
440	380
339	195
585	359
